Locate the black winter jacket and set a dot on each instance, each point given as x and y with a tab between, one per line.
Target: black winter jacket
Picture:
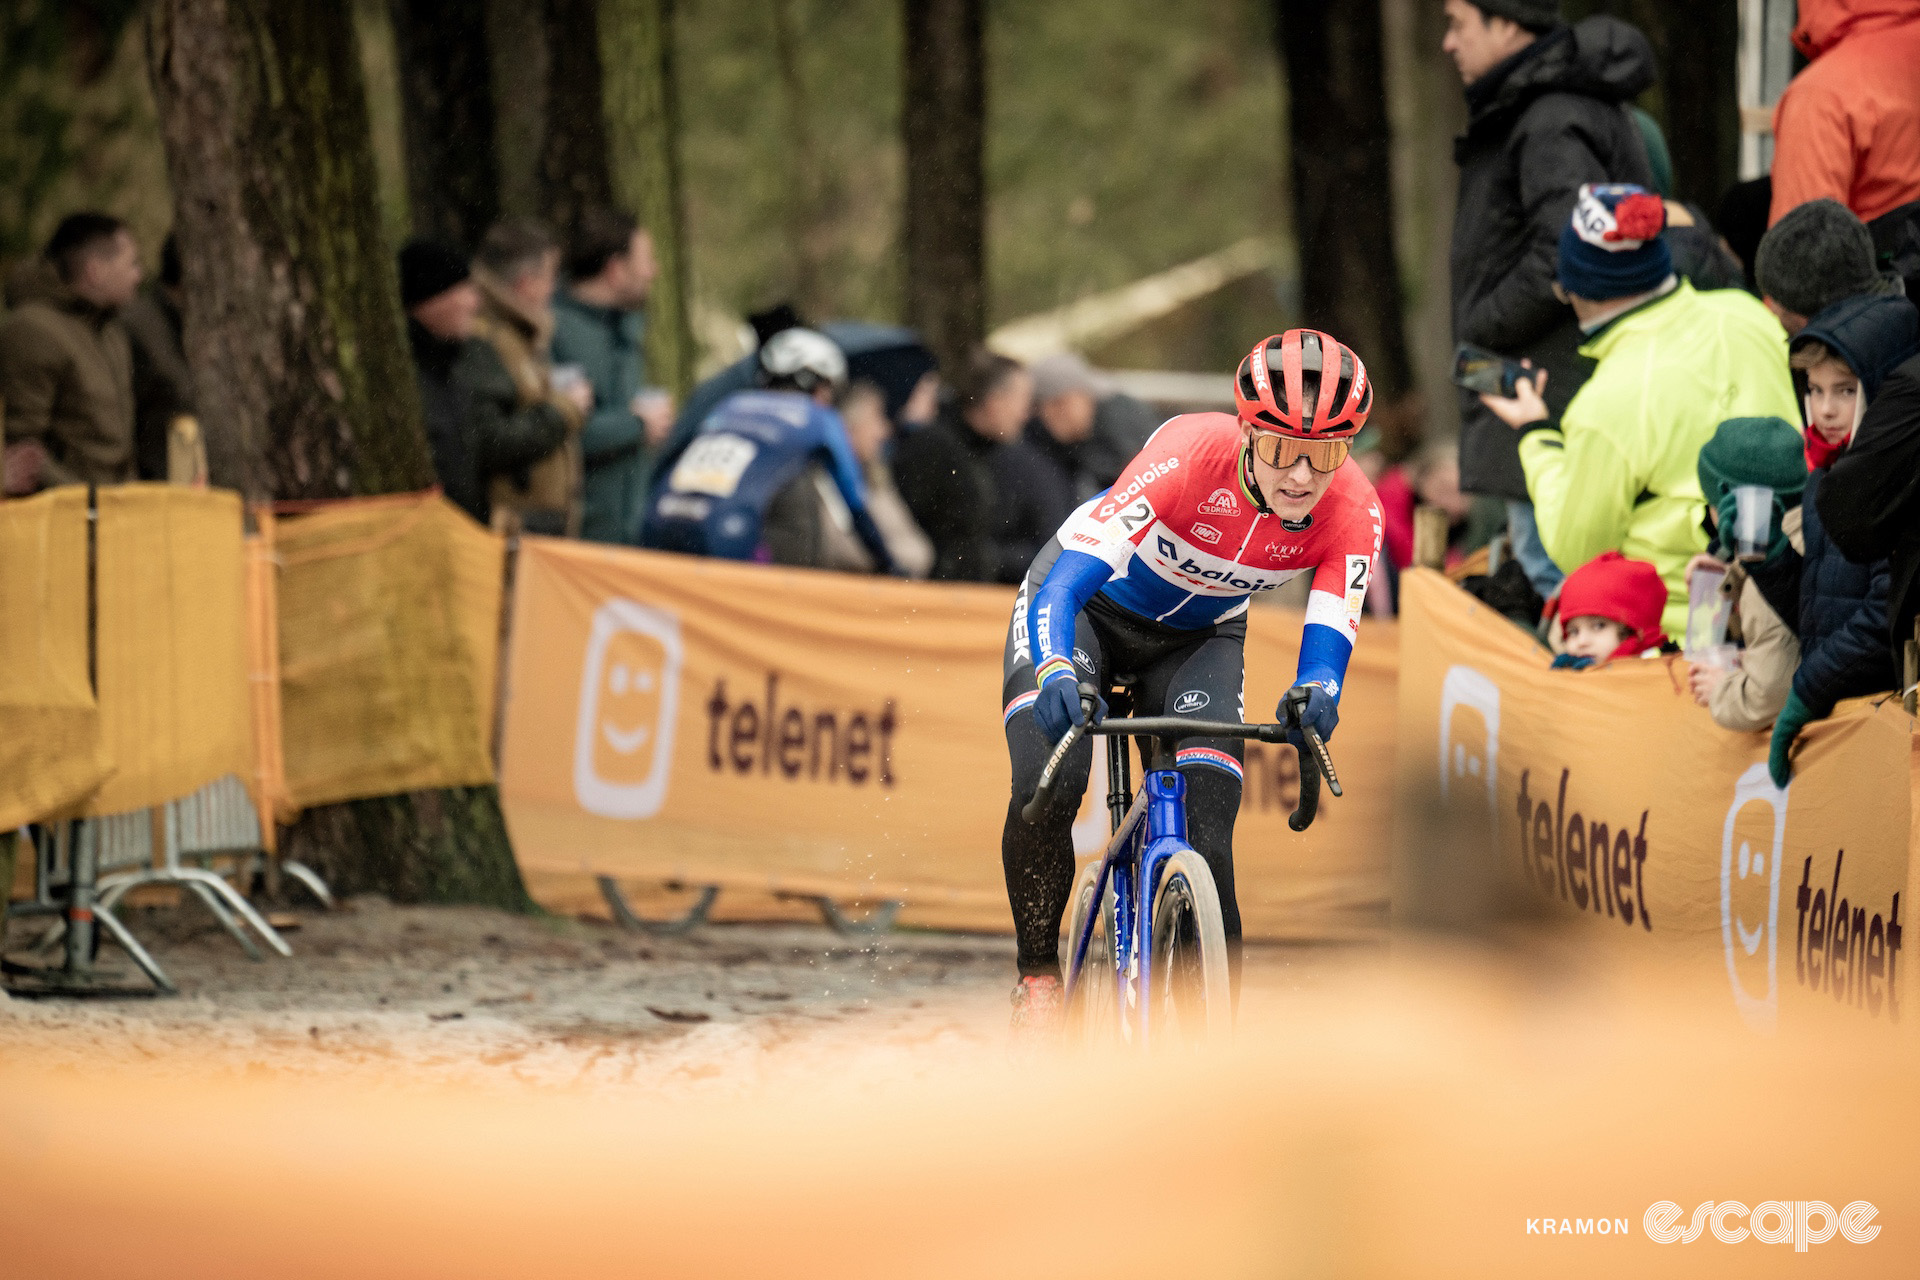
1873	333
475	425
1869	502
1039	482
945	474
1843	618
1539	125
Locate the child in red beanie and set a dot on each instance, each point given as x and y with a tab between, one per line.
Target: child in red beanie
1610	608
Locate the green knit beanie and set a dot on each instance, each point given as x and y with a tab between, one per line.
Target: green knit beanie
1763	451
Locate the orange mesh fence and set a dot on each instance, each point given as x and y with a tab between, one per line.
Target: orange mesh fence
388	624
263	675
788	731
171	664
50	748
1610	796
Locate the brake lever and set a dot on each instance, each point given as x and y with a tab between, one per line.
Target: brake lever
1036	808
1325	758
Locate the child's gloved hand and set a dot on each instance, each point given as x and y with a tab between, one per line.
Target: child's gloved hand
1794	717
1571	662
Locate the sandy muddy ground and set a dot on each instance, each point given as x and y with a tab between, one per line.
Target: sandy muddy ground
473	996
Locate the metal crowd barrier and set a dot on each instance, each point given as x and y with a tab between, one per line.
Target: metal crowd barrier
83	869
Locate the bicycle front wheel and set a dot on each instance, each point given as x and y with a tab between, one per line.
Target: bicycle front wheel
1093	1009
1192	994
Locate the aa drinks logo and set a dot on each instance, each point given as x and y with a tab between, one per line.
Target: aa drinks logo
629	699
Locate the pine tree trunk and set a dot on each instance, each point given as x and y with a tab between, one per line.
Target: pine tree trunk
643	132
295	335
574	174
519	86
1700	85
808	235
945	129
1343	184
446	94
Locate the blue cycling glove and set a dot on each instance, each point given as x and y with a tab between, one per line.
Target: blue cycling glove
1322	712
1058	708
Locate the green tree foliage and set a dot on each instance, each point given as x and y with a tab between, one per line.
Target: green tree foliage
76	121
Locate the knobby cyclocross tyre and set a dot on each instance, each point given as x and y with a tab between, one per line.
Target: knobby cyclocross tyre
1192	993
1092	1009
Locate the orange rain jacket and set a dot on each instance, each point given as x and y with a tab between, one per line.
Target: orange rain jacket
1848	127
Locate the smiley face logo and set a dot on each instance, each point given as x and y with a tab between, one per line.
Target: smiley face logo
1469	747
629	698
1752	846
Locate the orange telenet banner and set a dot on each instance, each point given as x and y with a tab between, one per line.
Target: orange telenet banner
1610	794
672	718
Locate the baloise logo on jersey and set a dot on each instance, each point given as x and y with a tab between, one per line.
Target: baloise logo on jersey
1206	572
1117	498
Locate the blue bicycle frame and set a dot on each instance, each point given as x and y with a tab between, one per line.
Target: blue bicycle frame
1152	830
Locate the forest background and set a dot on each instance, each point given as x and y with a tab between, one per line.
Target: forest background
1121	138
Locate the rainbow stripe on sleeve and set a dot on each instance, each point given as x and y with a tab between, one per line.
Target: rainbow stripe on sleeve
1053	667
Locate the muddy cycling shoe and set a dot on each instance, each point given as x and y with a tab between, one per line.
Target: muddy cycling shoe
1039	1006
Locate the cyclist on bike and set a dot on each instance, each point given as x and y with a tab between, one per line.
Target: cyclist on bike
755	482
1151	581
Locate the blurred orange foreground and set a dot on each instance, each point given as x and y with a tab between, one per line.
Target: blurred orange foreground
1413	1119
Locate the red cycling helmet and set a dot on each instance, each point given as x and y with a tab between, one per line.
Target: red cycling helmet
1270	390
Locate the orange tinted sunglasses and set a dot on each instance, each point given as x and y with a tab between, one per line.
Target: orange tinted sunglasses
1282	451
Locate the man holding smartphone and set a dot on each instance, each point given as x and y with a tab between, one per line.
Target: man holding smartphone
1618	471
1546	113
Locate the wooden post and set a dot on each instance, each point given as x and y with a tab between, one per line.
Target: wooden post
1910	676
1429	538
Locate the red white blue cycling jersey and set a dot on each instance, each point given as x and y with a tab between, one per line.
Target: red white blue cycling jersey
1180	539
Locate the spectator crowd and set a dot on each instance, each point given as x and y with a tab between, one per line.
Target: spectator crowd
1713	431
1714	437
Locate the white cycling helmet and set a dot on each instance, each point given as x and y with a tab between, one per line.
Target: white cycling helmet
804	357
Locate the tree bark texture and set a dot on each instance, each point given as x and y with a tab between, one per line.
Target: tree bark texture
1342	182
945	131
809	234
1699	76
293	322
519	87
295	336
446	97
1696	99
574	173
643	132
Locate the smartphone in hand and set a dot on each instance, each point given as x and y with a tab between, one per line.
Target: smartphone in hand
1483	371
